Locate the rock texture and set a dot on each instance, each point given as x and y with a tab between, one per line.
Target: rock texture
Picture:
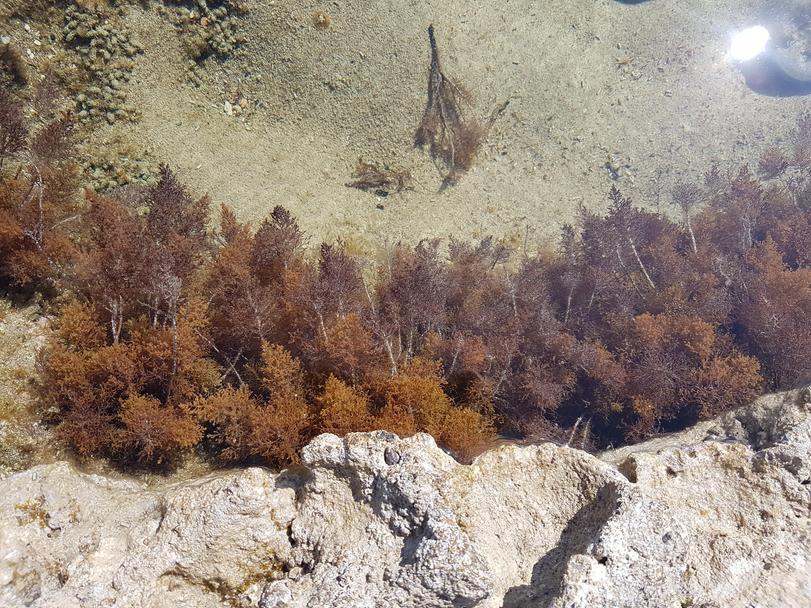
715	516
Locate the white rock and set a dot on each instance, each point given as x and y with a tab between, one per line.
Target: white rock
715	516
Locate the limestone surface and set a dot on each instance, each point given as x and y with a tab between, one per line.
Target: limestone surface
716	516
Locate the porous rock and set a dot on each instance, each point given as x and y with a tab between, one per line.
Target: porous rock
715	516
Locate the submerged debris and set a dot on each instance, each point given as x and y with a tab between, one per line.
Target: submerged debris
12	65
321	20
382	180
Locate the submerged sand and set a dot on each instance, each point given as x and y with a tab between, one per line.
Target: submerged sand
600	93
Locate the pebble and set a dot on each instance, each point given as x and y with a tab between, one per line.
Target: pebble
391	456
104	53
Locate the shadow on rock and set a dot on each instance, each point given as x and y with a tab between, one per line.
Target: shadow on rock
582	531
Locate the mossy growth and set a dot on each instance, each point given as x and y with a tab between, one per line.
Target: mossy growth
33	511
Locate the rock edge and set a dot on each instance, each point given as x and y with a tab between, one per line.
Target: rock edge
718	515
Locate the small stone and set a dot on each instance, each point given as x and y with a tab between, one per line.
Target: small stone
391	456
295	572
229	109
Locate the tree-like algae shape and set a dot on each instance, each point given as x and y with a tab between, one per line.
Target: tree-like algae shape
452	137
169	336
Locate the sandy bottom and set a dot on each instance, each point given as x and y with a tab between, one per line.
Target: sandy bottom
601	93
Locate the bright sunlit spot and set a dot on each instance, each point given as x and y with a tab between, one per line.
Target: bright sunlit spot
749	43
